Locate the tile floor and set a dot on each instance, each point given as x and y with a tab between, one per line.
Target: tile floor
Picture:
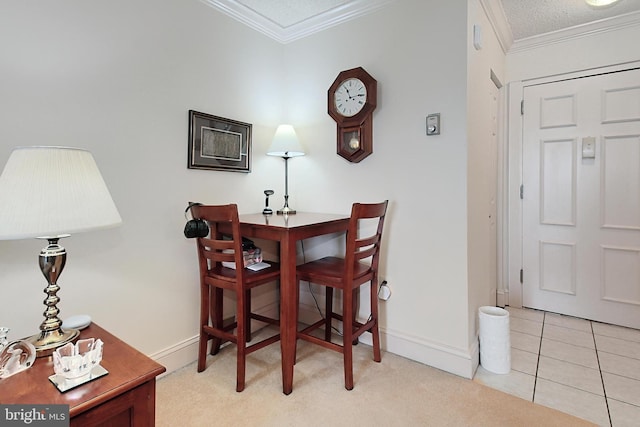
584	368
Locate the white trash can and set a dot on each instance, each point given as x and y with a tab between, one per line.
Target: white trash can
495	340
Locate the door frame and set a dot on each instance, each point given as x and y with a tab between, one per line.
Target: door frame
510	158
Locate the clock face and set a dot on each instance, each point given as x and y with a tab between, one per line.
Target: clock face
350	97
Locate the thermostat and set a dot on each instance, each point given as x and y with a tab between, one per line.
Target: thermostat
433	124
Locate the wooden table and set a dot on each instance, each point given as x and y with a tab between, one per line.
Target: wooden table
287	230
125	396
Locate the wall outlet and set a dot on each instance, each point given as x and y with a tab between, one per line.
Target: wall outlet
384	293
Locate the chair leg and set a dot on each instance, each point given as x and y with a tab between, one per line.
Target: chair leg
347	334
202	351
247	313
241	336
204	320
354	304
374	315
328	313
216	308
295	350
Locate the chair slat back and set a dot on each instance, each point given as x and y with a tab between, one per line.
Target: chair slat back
360	247
218	250
216	247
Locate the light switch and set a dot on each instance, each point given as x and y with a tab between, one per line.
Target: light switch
433	124
589	147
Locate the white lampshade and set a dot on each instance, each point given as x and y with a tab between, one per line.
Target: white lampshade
285	143
53	191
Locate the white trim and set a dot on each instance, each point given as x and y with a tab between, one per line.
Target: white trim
456	361
623	66
463	363
502	298
495	13
513	204
185	352
512	256
502	197
314	24
177	355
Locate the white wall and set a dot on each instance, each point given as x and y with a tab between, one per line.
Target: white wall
417	52
482	162
119	77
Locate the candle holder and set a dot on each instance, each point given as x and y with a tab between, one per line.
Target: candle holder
77	364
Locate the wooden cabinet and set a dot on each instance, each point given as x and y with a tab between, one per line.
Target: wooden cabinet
124	397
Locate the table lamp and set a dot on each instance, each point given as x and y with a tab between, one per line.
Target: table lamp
50	193
285	144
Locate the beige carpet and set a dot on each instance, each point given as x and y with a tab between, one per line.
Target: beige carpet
395	392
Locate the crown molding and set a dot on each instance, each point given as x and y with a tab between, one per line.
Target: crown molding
576	32
498	20
352	10
301	29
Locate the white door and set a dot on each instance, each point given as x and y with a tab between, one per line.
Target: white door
581	197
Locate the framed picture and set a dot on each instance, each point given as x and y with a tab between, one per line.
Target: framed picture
217	143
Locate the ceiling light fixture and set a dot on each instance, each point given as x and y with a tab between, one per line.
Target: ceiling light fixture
600	3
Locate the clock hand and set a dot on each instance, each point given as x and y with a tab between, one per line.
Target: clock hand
350	97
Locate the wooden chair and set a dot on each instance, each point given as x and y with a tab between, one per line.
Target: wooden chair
358	267
214	278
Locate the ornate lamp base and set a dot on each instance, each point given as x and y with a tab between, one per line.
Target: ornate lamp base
52	261
47	341
286	211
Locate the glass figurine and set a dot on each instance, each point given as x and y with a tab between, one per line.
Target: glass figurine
15	356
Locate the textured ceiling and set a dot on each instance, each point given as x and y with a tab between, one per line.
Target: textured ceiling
533	17
526	18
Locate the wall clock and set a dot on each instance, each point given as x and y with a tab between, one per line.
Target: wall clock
351	101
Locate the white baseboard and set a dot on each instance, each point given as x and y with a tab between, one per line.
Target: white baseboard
456	361
433	354
186	352
177	356
502	298
459	362
446	358
453	360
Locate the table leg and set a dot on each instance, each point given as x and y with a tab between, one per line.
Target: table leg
288	310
